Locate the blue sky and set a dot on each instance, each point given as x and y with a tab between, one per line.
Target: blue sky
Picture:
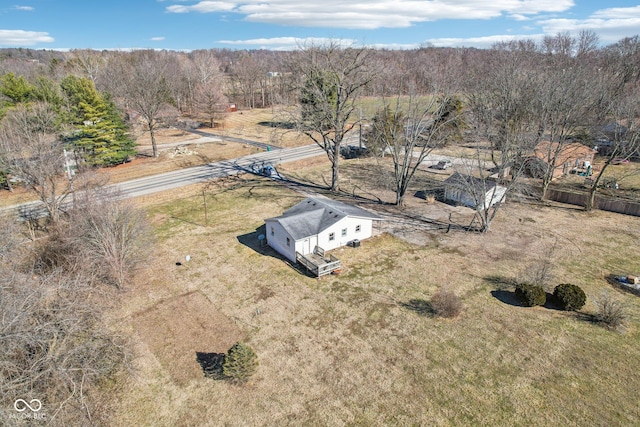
285	24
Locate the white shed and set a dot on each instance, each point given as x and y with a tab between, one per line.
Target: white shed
473	192
318	222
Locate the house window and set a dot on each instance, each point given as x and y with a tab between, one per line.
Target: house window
358	228
332	236
344	232
288	241
272	231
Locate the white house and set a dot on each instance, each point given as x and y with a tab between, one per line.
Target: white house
318	222
471	191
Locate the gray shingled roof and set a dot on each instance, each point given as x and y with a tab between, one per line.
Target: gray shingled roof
470	184
312	215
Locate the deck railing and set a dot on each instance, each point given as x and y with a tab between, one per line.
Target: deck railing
317	263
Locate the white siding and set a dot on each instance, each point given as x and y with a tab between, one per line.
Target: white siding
278	240
350	223
492	197
307	245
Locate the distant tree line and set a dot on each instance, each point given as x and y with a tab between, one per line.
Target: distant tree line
511	97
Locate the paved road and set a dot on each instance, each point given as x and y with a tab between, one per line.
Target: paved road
196	174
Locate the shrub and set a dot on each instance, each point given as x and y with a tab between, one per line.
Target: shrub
570	297
446	304
531	295
240	363
611	313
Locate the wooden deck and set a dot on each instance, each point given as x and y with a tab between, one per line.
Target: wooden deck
317	263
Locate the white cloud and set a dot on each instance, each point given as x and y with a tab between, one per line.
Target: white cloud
287	43
292	43
480	42
617	13
372	14
23	38
203	7
156	39
25	8
611	24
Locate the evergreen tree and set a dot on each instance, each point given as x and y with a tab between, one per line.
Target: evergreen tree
240	363
47	90
99	133
14	90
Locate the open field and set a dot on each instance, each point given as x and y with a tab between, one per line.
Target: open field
355	349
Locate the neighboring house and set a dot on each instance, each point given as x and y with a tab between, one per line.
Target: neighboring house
571	156
471	191
320	222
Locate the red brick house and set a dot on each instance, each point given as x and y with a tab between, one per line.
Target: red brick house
571	156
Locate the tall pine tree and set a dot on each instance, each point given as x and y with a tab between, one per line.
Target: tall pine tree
99	136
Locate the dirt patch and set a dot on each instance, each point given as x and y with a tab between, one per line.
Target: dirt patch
179	328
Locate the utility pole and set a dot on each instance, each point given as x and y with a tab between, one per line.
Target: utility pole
360	133
70	174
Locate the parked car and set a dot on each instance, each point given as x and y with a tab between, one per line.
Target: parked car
269	171
442	165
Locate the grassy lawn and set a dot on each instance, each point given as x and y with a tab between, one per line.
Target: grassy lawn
350	350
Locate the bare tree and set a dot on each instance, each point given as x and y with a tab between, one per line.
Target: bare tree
211	101
31	151
620	140
568	99
248	76
330	79
208	95
142	81
112	237
53	345
504	127
87	63
409	128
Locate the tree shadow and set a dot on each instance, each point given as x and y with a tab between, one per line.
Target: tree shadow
420	306
551	303
507	297
257	241
278	124
211	364
587	317
504	291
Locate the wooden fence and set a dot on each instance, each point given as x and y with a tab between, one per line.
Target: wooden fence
627	207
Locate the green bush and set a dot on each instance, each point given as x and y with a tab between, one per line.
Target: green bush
531	295
240	363
570	297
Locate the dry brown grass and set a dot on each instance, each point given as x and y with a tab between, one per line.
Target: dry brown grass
256	124
348	350
345	350
195	325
